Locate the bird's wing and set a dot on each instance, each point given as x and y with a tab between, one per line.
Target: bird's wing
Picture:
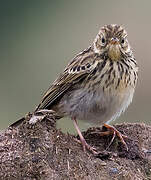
75	71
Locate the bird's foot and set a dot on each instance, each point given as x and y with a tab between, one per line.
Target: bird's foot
86	146
40	115
113	131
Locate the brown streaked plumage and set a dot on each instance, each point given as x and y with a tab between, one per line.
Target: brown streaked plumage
98	84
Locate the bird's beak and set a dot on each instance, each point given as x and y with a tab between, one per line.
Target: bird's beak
114	41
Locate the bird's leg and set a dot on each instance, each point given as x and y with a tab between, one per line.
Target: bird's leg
113	131
83	141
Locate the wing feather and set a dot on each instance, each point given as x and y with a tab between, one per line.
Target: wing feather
76	70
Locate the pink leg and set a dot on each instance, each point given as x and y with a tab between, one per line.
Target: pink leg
83	142
112	130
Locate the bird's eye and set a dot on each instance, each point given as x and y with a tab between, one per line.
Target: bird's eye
123	41
103	40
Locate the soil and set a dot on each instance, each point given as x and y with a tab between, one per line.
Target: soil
41	151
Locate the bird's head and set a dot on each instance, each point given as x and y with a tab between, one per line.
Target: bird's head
112	40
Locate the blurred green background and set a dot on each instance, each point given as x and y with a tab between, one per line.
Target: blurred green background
38	38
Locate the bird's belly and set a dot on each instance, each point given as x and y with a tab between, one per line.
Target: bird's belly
96	107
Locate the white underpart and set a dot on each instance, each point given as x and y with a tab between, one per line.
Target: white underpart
126	102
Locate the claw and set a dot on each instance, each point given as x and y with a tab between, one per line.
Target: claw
85	145
112	130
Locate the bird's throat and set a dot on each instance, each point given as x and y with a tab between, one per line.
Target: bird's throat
114	52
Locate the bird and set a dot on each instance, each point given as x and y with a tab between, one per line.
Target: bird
97	85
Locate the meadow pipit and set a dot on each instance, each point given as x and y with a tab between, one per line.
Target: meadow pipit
97	85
